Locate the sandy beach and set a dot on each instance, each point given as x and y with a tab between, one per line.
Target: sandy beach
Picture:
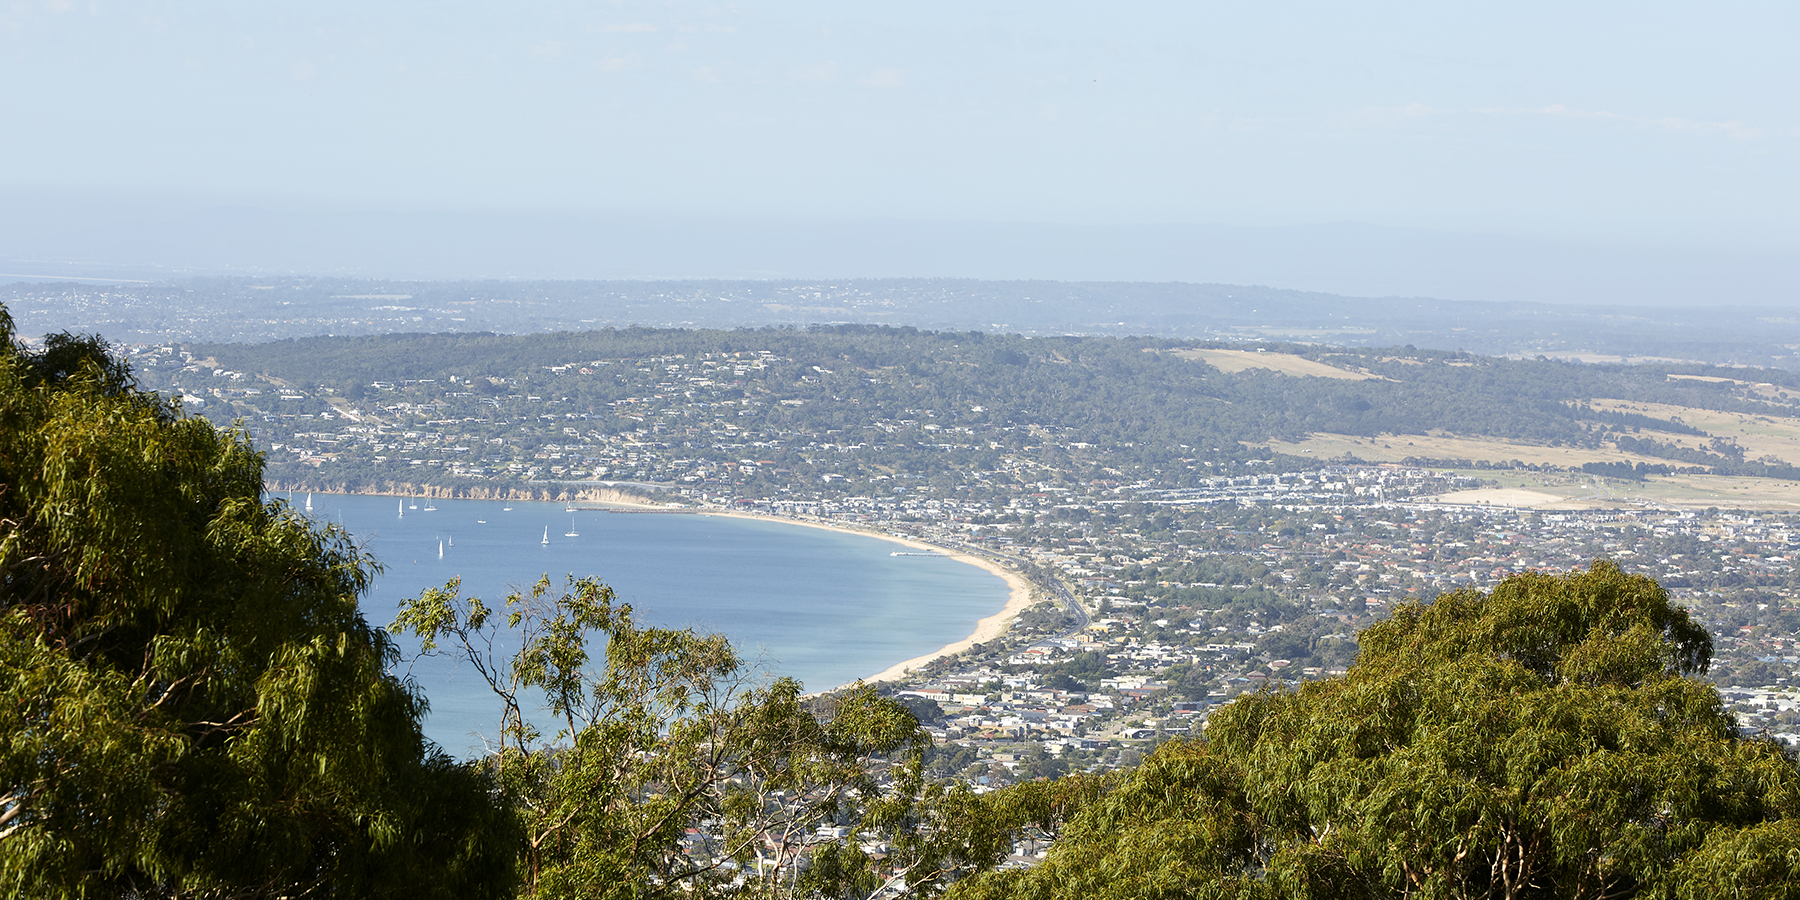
1019	596
1017	601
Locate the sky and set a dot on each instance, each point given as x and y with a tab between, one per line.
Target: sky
1636	130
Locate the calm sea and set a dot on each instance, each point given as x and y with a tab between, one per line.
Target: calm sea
823	607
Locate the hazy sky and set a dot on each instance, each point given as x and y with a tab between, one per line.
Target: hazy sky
1627	123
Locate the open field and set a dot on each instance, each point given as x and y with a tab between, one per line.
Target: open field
1517	498
1768	391
1759	435
1702	491
1394	448
1761	387
1234	361
1573	490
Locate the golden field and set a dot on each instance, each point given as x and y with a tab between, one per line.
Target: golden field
1234	361
1397	447
1758	435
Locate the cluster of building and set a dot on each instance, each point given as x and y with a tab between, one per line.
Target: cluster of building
1177	580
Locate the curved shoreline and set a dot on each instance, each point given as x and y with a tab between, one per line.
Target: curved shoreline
1017	601
1019	592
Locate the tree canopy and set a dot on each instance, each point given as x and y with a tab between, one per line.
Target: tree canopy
191	703
1547	739
673	771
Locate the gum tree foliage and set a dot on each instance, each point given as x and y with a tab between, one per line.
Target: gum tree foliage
661	767
1548	739
190	702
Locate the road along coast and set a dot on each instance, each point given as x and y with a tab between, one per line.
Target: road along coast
1019	593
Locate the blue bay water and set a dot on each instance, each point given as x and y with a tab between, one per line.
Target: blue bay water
821	606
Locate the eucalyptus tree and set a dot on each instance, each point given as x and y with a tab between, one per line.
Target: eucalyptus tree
1548	739
191	703
642	761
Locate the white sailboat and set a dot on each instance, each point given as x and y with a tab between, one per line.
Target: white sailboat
546	535
571	531
309	502
440	549
403	509
430	507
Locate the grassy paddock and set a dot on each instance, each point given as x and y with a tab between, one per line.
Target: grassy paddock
1233	361
1759	435
1396	447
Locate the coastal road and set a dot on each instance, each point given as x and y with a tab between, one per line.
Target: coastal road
1054	584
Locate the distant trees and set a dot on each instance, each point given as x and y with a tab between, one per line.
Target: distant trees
1549	739
1123	396
190	702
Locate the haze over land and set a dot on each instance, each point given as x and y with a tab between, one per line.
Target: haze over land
1627	156
261	309
52	239
1387	420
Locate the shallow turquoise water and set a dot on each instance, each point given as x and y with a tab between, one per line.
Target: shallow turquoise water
821	606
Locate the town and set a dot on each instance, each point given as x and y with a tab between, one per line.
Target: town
1166	585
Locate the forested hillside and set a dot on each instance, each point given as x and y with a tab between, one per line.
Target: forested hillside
914	401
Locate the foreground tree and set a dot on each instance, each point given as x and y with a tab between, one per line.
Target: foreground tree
661	768
1549	739
190	702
